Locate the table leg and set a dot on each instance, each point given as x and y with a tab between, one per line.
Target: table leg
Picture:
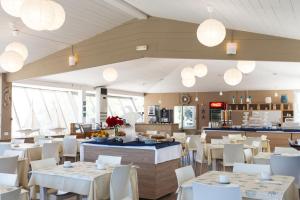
43	193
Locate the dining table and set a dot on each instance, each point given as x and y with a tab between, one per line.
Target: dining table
215	151
251	186
82	178
264	157
31	151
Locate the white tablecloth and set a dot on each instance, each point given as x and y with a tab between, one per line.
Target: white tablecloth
280	188
161	155
31	151
84	179
4	189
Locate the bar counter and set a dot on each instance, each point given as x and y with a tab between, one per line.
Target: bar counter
277	137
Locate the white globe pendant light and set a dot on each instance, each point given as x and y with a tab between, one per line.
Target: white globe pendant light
110	74
200	70
233	76
19	48
189	82
58	18
12	7
11	61
211	32
245	66
187	73
37	14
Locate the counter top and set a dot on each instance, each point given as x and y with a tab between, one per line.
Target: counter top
155	124
279	130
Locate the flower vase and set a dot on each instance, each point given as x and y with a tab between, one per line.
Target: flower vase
116	131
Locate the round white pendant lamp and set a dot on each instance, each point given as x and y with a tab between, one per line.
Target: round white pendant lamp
110	74
200	70
233	76
187	73
11	61
58	18
12	7
246	67
189	82
211	32
19	48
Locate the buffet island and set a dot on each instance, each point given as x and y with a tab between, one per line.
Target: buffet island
277	137
156	163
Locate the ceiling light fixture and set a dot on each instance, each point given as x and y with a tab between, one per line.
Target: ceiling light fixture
211	32
110	74
11	61
246	66
221	93
276	94
233	76
19	48
190	82
187	73
12	7
200	70
73	58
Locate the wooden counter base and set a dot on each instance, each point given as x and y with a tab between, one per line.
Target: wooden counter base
154	180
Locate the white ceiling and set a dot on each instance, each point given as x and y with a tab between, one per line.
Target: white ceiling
84	19
272	17
151	75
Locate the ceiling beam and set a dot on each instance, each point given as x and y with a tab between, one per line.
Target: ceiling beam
127	8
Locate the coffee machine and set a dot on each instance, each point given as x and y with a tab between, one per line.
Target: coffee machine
153	114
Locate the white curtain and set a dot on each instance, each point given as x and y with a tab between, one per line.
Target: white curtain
297	106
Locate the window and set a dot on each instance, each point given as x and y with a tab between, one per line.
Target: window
43	111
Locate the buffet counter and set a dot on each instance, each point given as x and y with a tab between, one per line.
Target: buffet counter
166	128
277	137
156	163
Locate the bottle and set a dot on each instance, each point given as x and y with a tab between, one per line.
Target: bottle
241	100
233	99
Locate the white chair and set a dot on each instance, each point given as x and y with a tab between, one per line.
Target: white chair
235	136
42	141
70	147
184	174
14	194
192	142
18	141
110	160
251	168
119	183
249	140
216	141
9	179
180	137
200	157
248	156
13	152
226	140
9	164
233	153
51	150
3	147
257	145
287	166
214	192
286	150
203	137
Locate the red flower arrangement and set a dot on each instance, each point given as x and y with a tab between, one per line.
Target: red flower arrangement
114	121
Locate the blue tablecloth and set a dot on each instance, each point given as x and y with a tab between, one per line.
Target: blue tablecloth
134	144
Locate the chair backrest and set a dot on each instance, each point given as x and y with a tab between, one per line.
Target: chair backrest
235	136
287	150
213	192
17	141
233	153
287	166
248	155
263	137
119	182
249	140
12	152
193	139
184	174
203	136
257	145
70	146
251	168
51	150
43	164
200	152
13	194
42	141
3	147
9	179
216	141
9	164
226	140
110	160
